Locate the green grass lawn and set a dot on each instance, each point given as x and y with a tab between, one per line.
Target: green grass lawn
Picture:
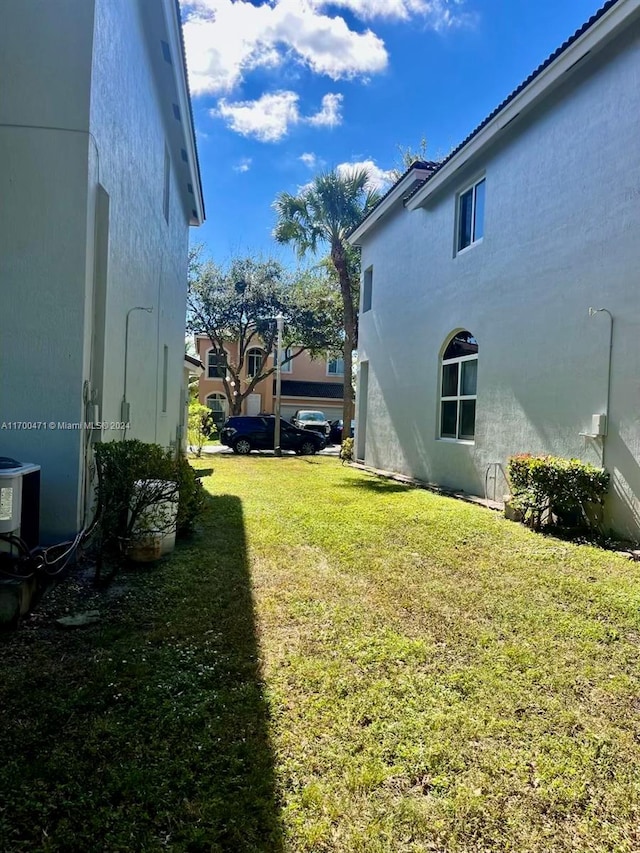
334	663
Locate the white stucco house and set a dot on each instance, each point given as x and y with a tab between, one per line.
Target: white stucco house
99	183
484	276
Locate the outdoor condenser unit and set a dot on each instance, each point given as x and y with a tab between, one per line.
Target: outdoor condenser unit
19	502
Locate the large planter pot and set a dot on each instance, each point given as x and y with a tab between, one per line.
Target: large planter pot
154	532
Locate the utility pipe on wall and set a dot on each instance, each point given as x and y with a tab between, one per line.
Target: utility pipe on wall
592	313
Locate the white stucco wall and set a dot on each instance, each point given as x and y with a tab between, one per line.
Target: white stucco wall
83	234
131	120
45	56
562	229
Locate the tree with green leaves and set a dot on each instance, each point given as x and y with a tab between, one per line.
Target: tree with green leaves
239	303
323	213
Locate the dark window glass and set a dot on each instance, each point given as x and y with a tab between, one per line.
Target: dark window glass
469	378
478	227
450	380
254	362
449	424
463	343
216	364
467	419
466	220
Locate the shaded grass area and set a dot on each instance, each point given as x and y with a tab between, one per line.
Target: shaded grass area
149	732
337	663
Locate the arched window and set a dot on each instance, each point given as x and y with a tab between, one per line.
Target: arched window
216	364
219	407
254	362
459	375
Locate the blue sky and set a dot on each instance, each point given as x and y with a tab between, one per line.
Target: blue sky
283	89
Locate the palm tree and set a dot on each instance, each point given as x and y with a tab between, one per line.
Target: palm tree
323	213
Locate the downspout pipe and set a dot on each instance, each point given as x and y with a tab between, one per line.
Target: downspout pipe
592	313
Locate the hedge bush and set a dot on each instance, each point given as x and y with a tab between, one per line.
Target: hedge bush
549	486
120	464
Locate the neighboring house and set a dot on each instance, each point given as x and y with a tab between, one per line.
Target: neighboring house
476	336
99	182
306	383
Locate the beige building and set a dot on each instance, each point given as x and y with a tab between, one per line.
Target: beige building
306	383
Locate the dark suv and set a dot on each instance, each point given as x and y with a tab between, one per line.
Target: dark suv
244	433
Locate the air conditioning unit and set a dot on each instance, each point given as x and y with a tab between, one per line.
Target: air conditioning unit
19	503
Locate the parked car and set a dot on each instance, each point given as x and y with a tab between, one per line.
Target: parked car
312	421
244	433
335	436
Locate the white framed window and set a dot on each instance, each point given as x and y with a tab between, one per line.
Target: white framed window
219	407
470	215
458	388
287	365
216	364
254	362
335	367
367	288
167	183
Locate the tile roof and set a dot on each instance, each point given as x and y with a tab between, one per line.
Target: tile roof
435	167
558	52
325	390
428	165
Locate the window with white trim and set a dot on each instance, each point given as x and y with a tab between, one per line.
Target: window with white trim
216	364
287	365
458	387
335	367
471	215
219	406
254	362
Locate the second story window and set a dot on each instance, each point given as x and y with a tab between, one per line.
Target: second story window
335	367
471	215
254	362
216	364
287	365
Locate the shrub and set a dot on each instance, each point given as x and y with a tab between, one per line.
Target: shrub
120	465
346	450
552	486
201	426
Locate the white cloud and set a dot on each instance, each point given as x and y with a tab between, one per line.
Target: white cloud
379	179
309	160
329	114
270	117
438	14
244	165
225	39
267	119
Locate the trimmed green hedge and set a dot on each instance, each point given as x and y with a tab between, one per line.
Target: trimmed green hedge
547	486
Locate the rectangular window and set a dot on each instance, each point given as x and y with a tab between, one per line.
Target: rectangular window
335	367
471	215
216	364
287	365
165	377
367	285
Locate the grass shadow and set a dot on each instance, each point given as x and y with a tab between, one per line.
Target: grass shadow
378	485
150	731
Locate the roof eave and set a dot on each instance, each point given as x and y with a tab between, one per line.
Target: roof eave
174	30
590	42
397	194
